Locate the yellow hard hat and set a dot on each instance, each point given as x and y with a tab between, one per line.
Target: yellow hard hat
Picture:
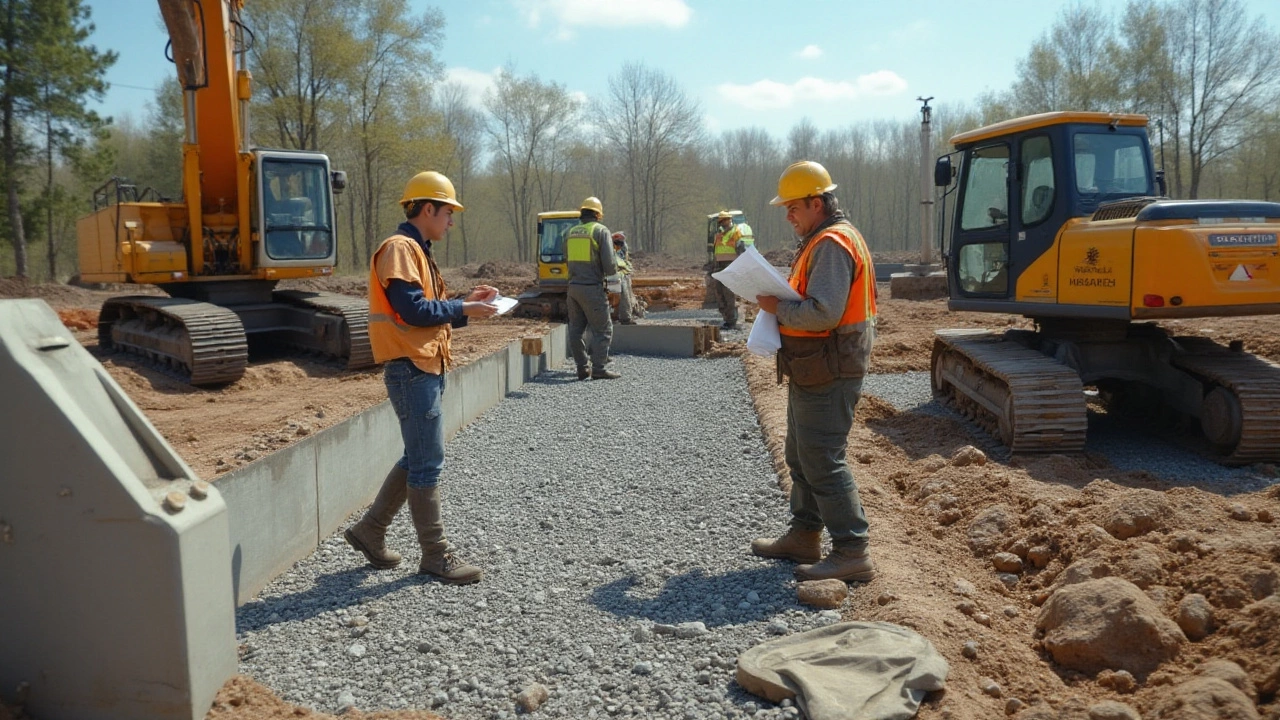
724	215
801	180
431	185
593	203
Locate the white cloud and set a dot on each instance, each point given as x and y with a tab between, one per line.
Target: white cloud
477	83
567	14
810	52
772	95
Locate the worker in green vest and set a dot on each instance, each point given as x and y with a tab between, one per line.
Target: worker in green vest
589	249
626	298
730	242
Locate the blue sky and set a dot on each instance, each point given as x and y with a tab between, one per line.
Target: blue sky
748	62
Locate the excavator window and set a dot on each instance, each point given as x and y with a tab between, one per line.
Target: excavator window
984	268
295	197
1036	165
1110	164
986	192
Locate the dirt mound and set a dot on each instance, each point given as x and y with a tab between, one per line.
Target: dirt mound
498	269
79	318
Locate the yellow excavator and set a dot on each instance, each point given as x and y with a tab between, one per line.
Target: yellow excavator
1062	218
549	300
249	217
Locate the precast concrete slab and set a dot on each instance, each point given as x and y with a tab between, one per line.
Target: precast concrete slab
910	286
117	597
663	340
451	406
515	368
273	506
482	385
352	462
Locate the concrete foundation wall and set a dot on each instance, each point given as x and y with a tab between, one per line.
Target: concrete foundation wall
282	505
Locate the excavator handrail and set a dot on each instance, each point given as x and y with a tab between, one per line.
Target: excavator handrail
125	191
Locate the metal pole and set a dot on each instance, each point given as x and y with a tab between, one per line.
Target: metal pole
926	185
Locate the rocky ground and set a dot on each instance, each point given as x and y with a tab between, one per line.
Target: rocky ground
1056	587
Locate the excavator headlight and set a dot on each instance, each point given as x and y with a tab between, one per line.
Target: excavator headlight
1153	301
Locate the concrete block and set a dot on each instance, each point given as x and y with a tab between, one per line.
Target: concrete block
352	459
909	286
556	346
116	595
272	506
662	340
531	345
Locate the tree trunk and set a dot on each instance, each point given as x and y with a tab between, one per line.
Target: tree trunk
11	153
48	194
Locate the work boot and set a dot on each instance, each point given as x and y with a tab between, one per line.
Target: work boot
604	375
802	546
437	558
851	564
728	326
583	374
369	534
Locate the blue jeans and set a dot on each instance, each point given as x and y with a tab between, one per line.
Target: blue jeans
822	487
416	395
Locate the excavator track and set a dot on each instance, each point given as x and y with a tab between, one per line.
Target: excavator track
201	342
1028	401
1241	412
354	349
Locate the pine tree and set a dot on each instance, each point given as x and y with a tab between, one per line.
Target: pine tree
47	71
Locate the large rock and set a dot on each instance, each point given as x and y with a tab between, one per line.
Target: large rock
1137	513
1195	616
1107	624
988	530
822	593
1203	698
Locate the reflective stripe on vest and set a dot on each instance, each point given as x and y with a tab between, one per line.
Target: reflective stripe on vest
580	241
390	337
744	234
861	304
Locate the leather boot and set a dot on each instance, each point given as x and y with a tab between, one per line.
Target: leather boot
851	564
802	546
604	375
582	373
437	558
369	534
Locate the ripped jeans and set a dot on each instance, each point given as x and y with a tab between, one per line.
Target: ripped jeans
415	395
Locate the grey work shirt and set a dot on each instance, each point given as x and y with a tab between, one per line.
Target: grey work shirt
831	273
603	262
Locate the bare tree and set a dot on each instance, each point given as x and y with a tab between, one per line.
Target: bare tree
651	123
527	128
1225	72
1073	65
802	141
463	124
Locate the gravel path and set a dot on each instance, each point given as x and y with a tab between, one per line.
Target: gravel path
613	521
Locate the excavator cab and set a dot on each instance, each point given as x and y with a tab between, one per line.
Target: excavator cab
1018	186
553	268
296	218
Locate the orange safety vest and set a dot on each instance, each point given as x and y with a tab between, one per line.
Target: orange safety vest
390	336
861	305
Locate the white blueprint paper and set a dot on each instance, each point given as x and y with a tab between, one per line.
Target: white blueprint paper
505	304
764	338
751	275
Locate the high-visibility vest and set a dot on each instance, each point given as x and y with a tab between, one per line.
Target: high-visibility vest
390	336
580	242
861	305
727	241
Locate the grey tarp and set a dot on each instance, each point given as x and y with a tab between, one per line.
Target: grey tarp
846	671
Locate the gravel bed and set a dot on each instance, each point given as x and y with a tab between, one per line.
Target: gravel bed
1176	457
613	522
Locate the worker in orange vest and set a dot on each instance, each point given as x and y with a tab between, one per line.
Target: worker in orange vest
410	326
826	347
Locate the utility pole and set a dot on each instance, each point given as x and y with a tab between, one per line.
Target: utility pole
926	184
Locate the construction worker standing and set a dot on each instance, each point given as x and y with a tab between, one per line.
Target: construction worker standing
826	346
589	249
626	298
410	321
730	242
